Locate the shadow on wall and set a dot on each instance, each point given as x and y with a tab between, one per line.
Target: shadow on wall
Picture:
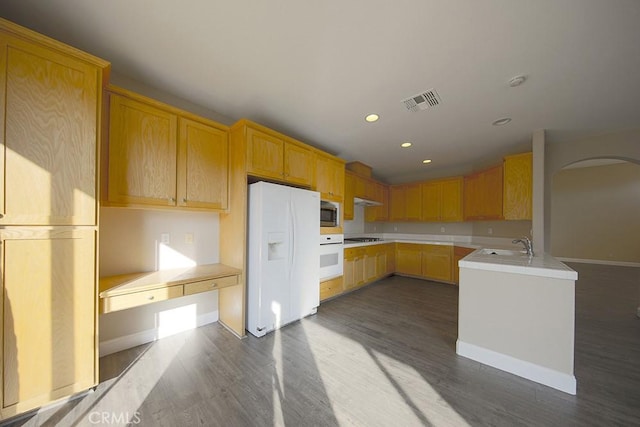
595	206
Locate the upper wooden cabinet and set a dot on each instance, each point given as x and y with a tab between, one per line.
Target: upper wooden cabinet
349	188
518	186
405	202
143	149
274	156
50	106
330	178
442	200
483	195
162	157
378	213
203	164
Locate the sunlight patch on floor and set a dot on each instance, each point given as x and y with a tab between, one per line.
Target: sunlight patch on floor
122	399
396	394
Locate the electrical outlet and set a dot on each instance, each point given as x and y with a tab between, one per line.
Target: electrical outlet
188	238
395	228
442	229
375	228
165	239
490	230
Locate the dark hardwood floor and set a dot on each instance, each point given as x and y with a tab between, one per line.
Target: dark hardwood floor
381	356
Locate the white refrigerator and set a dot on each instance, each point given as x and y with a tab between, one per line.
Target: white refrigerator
283	257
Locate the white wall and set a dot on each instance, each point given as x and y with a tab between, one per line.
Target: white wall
130	242
623	145
595	213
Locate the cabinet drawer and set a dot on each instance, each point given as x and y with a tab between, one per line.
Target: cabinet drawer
121	302
209	285
331	288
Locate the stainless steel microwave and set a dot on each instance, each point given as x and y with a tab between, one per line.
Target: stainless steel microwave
328	214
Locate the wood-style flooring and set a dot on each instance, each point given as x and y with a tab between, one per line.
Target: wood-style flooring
381	356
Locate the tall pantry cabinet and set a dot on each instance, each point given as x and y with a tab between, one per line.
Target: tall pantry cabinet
50	119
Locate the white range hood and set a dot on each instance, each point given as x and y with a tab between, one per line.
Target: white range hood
365	202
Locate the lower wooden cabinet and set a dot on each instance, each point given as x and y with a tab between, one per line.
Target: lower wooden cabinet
48	313
409	259
362	265
436	262
425	260
353	267
365	264
332	287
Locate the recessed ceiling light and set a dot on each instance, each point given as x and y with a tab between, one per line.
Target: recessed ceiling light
517	81
372	118
406	145
425	161
502	121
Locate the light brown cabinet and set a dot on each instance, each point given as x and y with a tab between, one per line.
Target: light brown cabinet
277	157
354	273
48	315
203	166
160	157
437	262
48	132
331	288
409	259
330	178
518	186
405	202
483	195
349	194
362	265
425	260
50	107
370	264
442	200
378	213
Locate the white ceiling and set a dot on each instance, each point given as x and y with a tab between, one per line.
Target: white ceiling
313	70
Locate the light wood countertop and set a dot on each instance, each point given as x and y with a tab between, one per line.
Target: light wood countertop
137	282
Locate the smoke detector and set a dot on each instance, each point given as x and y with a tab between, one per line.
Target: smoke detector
422	101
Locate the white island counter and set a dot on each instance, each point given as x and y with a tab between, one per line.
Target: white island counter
516	313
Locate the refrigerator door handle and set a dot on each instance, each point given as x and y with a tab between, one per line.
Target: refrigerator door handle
292	219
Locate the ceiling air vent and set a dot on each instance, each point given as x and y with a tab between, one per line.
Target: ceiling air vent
422	101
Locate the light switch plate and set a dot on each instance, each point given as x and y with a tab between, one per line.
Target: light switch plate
165	239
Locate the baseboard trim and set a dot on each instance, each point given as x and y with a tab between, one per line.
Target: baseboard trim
600	261
129	341
540	374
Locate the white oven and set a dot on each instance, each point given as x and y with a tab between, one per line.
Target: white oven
331	255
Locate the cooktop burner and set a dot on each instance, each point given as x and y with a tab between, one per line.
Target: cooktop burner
362	239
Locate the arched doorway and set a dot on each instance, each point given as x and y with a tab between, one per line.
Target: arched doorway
595	206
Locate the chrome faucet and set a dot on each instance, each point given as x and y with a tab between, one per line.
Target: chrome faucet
528	244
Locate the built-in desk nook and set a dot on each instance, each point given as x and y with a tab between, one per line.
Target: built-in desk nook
136	289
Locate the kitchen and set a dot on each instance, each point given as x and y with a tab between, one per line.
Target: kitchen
124	248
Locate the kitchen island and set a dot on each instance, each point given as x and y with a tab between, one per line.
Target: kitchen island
516	313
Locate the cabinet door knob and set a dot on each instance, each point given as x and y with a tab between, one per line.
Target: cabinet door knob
172	199
150	297
184	200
